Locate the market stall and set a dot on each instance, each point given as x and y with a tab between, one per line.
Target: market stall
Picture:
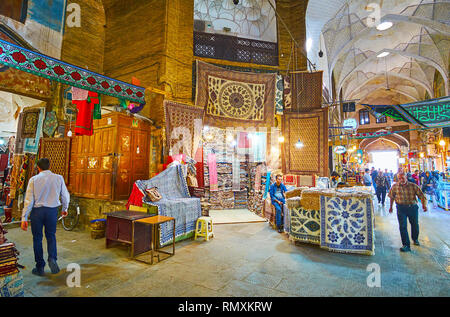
339	220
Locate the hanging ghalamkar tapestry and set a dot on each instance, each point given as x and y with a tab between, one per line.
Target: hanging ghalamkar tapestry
279	106
30	122
32	144
50	123
55	70
235	99
305	225
311	129
57	151
306	91
347	224
287	93
181	124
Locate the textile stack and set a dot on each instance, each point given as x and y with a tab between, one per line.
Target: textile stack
11	281
240	199
255	202
337	220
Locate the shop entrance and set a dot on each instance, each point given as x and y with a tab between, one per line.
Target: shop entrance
384	160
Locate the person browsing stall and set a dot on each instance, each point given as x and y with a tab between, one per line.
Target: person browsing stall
42	200
277	191
404	194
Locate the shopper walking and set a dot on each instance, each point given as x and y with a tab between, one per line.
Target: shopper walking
429	187
367	179
416	177
42	200
277	191
404	194
383	185
374	174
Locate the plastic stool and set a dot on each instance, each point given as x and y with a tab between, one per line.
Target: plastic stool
204	228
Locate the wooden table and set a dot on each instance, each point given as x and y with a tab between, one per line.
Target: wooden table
121	228
154	222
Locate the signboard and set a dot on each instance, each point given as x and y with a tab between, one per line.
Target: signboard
340	149
350	124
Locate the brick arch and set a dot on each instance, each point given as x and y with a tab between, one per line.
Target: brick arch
395	139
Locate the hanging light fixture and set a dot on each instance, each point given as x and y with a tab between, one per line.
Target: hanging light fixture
299	144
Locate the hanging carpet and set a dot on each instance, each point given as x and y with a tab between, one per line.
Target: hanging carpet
30	121
181	121
306	91
32	144
235	99
312	130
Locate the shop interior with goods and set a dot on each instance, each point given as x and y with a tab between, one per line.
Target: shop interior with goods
148	166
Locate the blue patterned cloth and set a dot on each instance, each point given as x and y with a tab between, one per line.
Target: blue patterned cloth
11	285
176	202
346	225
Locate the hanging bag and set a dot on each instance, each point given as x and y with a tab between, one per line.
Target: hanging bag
153	194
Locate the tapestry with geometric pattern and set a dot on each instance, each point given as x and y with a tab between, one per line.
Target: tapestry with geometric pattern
181	122
311	129
306	91
235	99
57	151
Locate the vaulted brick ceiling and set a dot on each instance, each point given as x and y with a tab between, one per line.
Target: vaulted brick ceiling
418	44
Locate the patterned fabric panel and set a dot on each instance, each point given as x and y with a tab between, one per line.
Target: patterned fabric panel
175	202
290	180
29	123
32	144
57	151
305	225
347	225
11	285
235	99
181	122
50	123
311	129
307	91
279	106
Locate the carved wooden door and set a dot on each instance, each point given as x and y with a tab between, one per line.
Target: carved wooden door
124	163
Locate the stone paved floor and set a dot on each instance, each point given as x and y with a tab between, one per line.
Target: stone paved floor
250	260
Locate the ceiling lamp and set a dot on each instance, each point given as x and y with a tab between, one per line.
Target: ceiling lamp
299	144
384	54
281	139
442	143
384	26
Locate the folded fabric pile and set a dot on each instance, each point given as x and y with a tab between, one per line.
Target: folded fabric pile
240	200
255	202
8	259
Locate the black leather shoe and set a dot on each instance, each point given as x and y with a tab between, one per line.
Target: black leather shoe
38	271
405	249
417	243
53	266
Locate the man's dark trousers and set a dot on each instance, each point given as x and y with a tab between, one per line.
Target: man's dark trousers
410	212
44	217
279	211
381	194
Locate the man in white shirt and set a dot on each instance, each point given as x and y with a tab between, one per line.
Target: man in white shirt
42	200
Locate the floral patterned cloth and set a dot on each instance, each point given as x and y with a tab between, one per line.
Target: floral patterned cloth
305	225
347	224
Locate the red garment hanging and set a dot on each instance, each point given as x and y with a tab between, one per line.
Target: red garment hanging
85	115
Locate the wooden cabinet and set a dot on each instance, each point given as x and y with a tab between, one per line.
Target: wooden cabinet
106	164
